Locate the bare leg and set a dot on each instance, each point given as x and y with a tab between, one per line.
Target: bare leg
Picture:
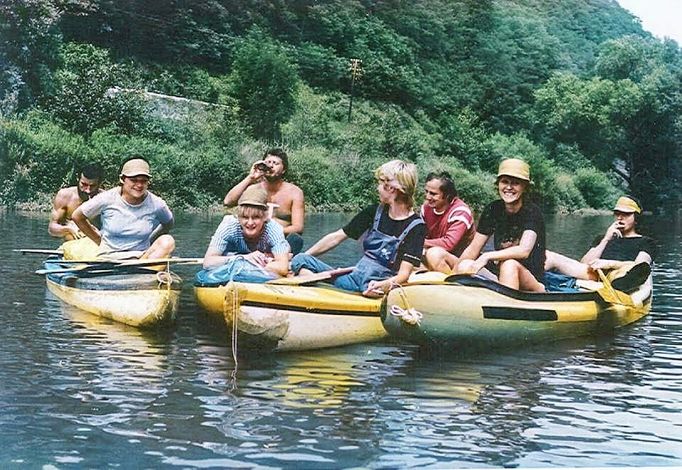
514	275
161	248
568	266
437	259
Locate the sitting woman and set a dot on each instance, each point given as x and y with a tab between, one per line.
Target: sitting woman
619	247
519	230
392	236
248	247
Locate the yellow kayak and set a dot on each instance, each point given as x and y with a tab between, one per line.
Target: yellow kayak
276	317
464	311
137	297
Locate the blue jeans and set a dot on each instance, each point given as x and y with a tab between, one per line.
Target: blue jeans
357	281
295	241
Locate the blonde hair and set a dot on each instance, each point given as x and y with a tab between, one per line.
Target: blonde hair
246	211
401	175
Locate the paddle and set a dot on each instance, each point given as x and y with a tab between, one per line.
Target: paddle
611	295
311	278
39	251
104	261
99	266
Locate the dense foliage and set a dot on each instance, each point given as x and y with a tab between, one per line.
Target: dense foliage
574	87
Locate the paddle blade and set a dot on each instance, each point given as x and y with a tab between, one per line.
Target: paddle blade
611	295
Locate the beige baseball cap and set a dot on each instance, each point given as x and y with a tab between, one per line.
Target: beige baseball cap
135	167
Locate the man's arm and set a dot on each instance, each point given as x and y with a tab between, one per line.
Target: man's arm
379	288
279	264
161	229
642	257
254	176
214	258
327	242
59	226
595	252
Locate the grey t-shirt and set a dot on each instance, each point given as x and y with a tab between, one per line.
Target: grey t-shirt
126	227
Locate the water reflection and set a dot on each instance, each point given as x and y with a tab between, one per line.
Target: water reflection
116	372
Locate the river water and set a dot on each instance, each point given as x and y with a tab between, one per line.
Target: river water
80	392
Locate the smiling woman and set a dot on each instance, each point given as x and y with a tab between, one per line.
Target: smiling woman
519	230
249	247
134	221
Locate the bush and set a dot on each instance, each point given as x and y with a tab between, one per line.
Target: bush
568	196
341	181
36	156
598	192
264	81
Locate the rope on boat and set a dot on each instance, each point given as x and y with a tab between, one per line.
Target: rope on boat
231	304
409	315
166	278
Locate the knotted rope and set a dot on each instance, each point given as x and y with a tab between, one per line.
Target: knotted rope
409	315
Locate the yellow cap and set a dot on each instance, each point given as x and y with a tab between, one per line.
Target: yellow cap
254	195
514	167
135	167
625	204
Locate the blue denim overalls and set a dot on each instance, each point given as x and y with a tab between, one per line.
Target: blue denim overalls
380	251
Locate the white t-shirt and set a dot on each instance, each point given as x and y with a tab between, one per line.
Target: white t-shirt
126	227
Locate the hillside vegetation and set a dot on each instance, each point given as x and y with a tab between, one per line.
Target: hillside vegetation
575	87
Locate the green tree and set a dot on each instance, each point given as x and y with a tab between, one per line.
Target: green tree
83	101
264	82
29	41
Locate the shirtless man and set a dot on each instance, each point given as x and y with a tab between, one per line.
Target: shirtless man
69	199
287	206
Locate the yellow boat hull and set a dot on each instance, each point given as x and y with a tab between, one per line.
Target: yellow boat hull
275	317
135	299
474	312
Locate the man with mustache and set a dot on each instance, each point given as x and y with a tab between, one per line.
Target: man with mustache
286	201
69	199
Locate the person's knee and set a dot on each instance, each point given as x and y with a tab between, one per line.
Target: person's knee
509	267
165	243
434	256
299	262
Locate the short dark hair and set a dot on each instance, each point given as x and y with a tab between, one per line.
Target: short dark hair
279	153
93	171
447	185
